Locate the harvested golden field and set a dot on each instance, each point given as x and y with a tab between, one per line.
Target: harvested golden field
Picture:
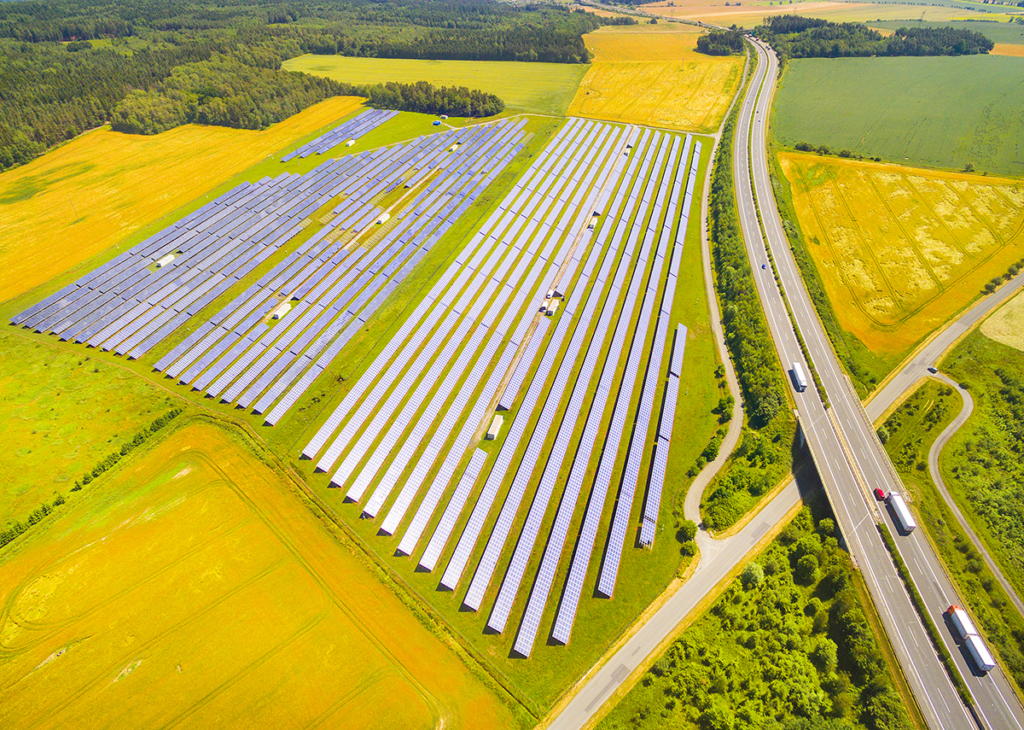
654	75
1006	325
194	588
98	189
908	248
1008	49
748	15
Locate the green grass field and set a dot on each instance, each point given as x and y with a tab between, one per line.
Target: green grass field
934	112
542	88
64	410
910	432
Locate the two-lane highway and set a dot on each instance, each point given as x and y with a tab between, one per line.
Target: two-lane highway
848	436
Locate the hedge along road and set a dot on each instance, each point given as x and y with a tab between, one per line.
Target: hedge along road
933	468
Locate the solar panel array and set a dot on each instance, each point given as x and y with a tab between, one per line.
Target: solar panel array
664	440
332	283
401	442
352	129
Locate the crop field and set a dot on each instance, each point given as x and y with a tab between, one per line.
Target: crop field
901	250
1006	325
541	88
98	189
951	111
45	391
196	588
653	75
750	14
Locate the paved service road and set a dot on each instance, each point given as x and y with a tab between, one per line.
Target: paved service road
711	569
850	439
933	468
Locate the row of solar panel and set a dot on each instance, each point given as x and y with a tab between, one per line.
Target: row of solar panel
424	367
352	129
346	287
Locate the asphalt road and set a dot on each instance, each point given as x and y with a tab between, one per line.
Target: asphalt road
933	468
852	461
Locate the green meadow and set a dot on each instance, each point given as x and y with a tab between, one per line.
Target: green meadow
942	112
541	88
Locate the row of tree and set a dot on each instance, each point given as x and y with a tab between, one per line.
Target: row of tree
793	36
57	81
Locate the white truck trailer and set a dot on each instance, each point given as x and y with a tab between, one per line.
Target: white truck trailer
980	654
799	377
903	515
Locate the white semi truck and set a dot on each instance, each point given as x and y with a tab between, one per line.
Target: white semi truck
799	377
965	633
903	514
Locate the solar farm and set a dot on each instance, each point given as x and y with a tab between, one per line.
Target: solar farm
553	312
557	314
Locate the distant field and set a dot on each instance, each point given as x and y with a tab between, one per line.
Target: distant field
653	75
197	589
750	14
900	250
935	112
63	412
95	191
1007	324
541	88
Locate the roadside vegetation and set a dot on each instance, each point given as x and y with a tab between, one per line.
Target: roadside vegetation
982	463
764	455
909	434
786	647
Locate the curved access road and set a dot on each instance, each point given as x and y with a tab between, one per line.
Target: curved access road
933	469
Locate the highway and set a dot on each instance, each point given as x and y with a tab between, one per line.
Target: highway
850	458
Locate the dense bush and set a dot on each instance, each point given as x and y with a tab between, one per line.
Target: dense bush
721	43
774	654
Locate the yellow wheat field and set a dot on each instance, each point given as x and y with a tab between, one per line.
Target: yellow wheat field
98	189
653	75
198	591
900	249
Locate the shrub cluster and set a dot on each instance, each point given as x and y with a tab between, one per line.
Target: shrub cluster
16	528
786	647
126	448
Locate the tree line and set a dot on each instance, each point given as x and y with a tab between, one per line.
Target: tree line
793	36
67	65
721	43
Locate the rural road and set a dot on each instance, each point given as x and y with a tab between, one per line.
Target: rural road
933	469
864	465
